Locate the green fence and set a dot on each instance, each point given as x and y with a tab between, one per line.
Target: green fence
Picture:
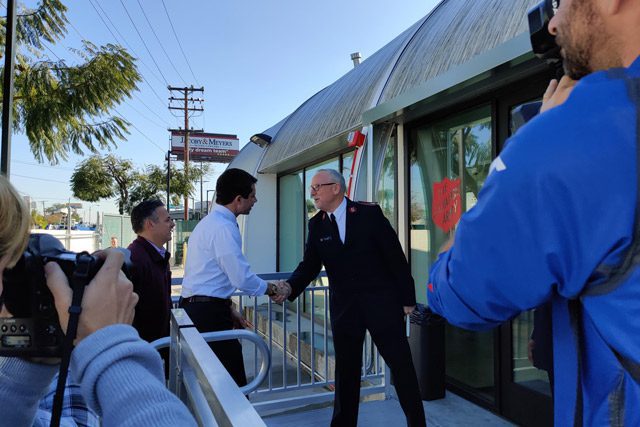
181	234
118	226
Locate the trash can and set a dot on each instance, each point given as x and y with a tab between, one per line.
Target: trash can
427	349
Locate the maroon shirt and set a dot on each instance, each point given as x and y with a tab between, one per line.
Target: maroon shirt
152	282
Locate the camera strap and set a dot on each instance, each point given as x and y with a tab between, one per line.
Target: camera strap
80	278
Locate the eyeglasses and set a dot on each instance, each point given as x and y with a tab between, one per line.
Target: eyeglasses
316	187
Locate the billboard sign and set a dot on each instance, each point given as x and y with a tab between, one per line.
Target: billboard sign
206	147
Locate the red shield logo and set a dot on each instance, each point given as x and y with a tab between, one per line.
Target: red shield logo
447	204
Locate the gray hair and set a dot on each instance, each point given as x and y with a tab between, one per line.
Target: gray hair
335	177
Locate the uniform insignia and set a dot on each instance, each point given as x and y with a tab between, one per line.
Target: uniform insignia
352	209
325	239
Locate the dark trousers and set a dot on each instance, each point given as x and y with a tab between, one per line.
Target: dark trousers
215	315
384	319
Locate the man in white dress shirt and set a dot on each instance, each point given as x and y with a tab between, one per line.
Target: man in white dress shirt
216	268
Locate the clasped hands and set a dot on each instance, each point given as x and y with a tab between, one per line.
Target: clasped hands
283	290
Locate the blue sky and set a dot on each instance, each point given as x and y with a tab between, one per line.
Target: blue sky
257	60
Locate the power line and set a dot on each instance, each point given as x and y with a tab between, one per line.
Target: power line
160	43
124	39
76	30
152	111
40	179
124	42
155	122
144	43
179	44
142	133
42	165
49	49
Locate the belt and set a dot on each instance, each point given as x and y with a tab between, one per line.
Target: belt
202	298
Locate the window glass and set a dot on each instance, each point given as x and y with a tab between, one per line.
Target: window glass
290	221
449	162
347	164
527	326
387	183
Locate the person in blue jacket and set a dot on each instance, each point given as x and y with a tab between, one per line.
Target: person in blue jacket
558	220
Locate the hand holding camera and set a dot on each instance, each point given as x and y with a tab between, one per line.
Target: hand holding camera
35	330
108	300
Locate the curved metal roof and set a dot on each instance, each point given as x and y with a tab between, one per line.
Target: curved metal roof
456	31
336	108
451	34
251	154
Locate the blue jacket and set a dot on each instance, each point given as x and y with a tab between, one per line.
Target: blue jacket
552	223
121	379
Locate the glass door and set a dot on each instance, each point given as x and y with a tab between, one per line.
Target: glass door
526	368
449	161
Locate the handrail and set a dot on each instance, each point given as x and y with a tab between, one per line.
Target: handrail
231	335
200	380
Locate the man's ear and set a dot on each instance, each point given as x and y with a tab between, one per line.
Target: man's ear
148	223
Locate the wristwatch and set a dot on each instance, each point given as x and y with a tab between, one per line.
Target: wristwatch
272	289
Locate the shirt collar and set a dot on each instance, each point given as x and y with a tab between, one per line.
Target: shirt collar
225	212
160	250
340	210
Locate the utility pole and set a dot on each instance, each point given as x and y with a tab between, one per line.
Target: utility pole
168	180
186	108
7	88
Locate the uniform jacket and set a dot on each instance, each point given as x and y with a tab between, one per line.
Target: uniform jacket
370	260
152	282
554	221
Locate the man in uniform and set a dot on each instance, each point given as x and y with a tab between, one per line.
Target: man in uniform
370	288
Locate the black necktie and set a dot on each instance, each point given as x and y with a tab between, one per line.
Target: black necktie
334	228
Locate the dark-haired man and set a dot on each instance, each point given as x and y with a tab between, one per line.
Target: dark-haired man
216	268
151	275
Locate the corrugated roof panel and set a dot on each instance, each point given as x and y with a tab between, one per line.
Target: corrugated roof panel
453	33
456	31
338	107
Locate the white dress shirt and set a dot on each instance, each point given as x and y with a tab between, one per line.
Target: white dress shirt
341	218
216	266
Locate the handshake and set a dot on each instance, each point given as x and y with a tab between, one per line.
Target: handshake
279	290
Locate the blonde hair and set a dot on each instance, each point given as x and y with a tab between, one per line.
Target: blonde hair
15	222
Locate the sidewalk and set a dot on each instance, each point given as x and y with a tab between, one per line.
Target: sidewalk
176	271
450	411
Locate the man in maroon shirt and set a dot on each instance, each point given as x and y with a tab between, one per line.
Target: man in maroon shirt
151	274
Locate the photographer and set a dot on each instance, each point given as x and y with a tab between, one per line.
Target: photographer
120	375
558	220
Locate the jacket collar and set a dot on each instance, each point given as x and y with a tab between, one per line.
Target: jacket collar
152	251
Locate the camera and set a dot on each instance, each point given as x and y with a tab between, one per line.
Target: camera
543	43
544	46
35	329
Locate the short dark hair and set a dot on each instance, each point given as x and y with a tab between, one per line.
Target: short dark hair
232	183
142	211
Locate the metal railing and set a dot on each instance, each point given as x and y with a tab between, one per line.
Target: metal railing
298	336
200	380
